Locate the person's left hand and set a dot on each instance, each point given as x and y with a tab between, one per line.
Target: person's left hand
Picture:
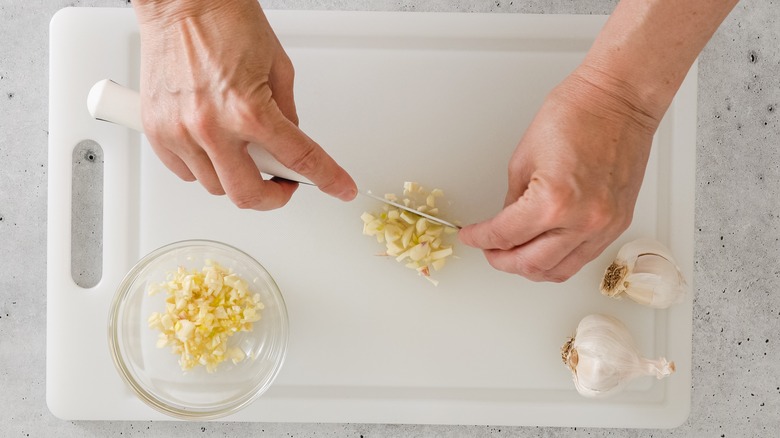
573	182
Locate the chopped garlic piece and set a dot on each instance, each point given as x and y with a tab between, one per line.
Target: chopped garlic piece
203	309
411	239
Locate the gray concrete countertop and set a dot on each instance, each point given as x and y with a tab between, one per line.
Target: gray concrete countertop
736	338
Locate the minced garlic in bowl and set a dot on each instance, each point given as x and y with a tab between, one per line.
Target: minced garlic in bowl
217	310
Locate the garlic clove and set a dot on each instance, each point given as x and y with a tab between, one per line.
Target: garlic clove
603	358
645	270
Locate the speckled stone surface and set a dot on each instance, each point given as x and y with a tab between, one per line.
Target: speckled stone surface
736	339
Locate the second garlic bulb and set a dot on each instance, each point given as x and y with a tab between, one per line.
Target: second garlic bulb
646	272
603	358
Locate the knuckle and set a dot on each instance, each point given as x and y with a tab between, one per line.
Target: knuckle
329	184
557	277
179	168
150	121
203	126
598	216
565	205
625	221
538	274
306	161
157	134
536	277
559	204
498	238
294	119
249	119
251	110
214	189
254	201
531	269
244	114
285	68
536	270
245	201
177	130
515	264
605	216
496	264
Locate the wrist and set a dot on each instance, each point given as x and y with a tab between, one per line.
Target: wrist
633	75
167	12
602	93
646	48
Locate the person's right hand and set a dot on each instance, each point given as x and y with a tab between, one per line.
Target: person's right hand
214	79
575	176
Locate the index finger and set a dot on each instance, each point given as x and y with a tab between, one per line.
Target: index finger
296	150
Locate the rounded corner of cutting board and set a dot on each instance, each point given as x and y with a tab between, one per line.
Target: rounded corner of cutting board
61	18
56	406
678	413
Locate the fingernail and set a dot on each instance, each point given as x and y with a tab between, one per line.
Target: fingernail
348	194
465	237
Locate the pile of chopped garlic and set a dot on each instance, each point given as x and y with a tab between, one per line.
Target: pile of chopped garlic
411	239
202	310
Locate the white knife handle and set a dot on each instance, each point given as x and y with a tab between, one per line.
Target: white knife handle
115	103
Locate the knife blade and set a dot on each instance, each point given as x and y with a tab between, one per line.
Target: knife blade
410	210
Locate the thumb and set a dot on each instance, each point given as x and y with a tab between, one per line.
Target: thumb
519	222
509	228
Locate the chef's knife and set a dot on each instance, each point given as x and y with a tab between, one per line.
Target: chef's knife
118	104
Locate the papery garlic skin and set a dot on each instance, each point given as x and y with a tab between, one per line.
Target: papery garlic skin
645	270
603	357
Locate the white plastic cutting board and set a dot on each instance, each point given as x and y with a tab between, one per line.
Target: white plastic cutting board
437	98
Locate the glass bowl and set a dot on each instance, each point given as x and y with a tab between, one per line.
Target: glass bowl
155	375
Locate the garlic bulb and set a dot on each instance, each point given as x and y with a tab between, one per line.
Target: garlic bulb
645	270
603	358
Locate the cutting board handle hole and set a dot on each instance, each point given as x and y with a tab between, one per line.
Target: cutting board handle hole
86	265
